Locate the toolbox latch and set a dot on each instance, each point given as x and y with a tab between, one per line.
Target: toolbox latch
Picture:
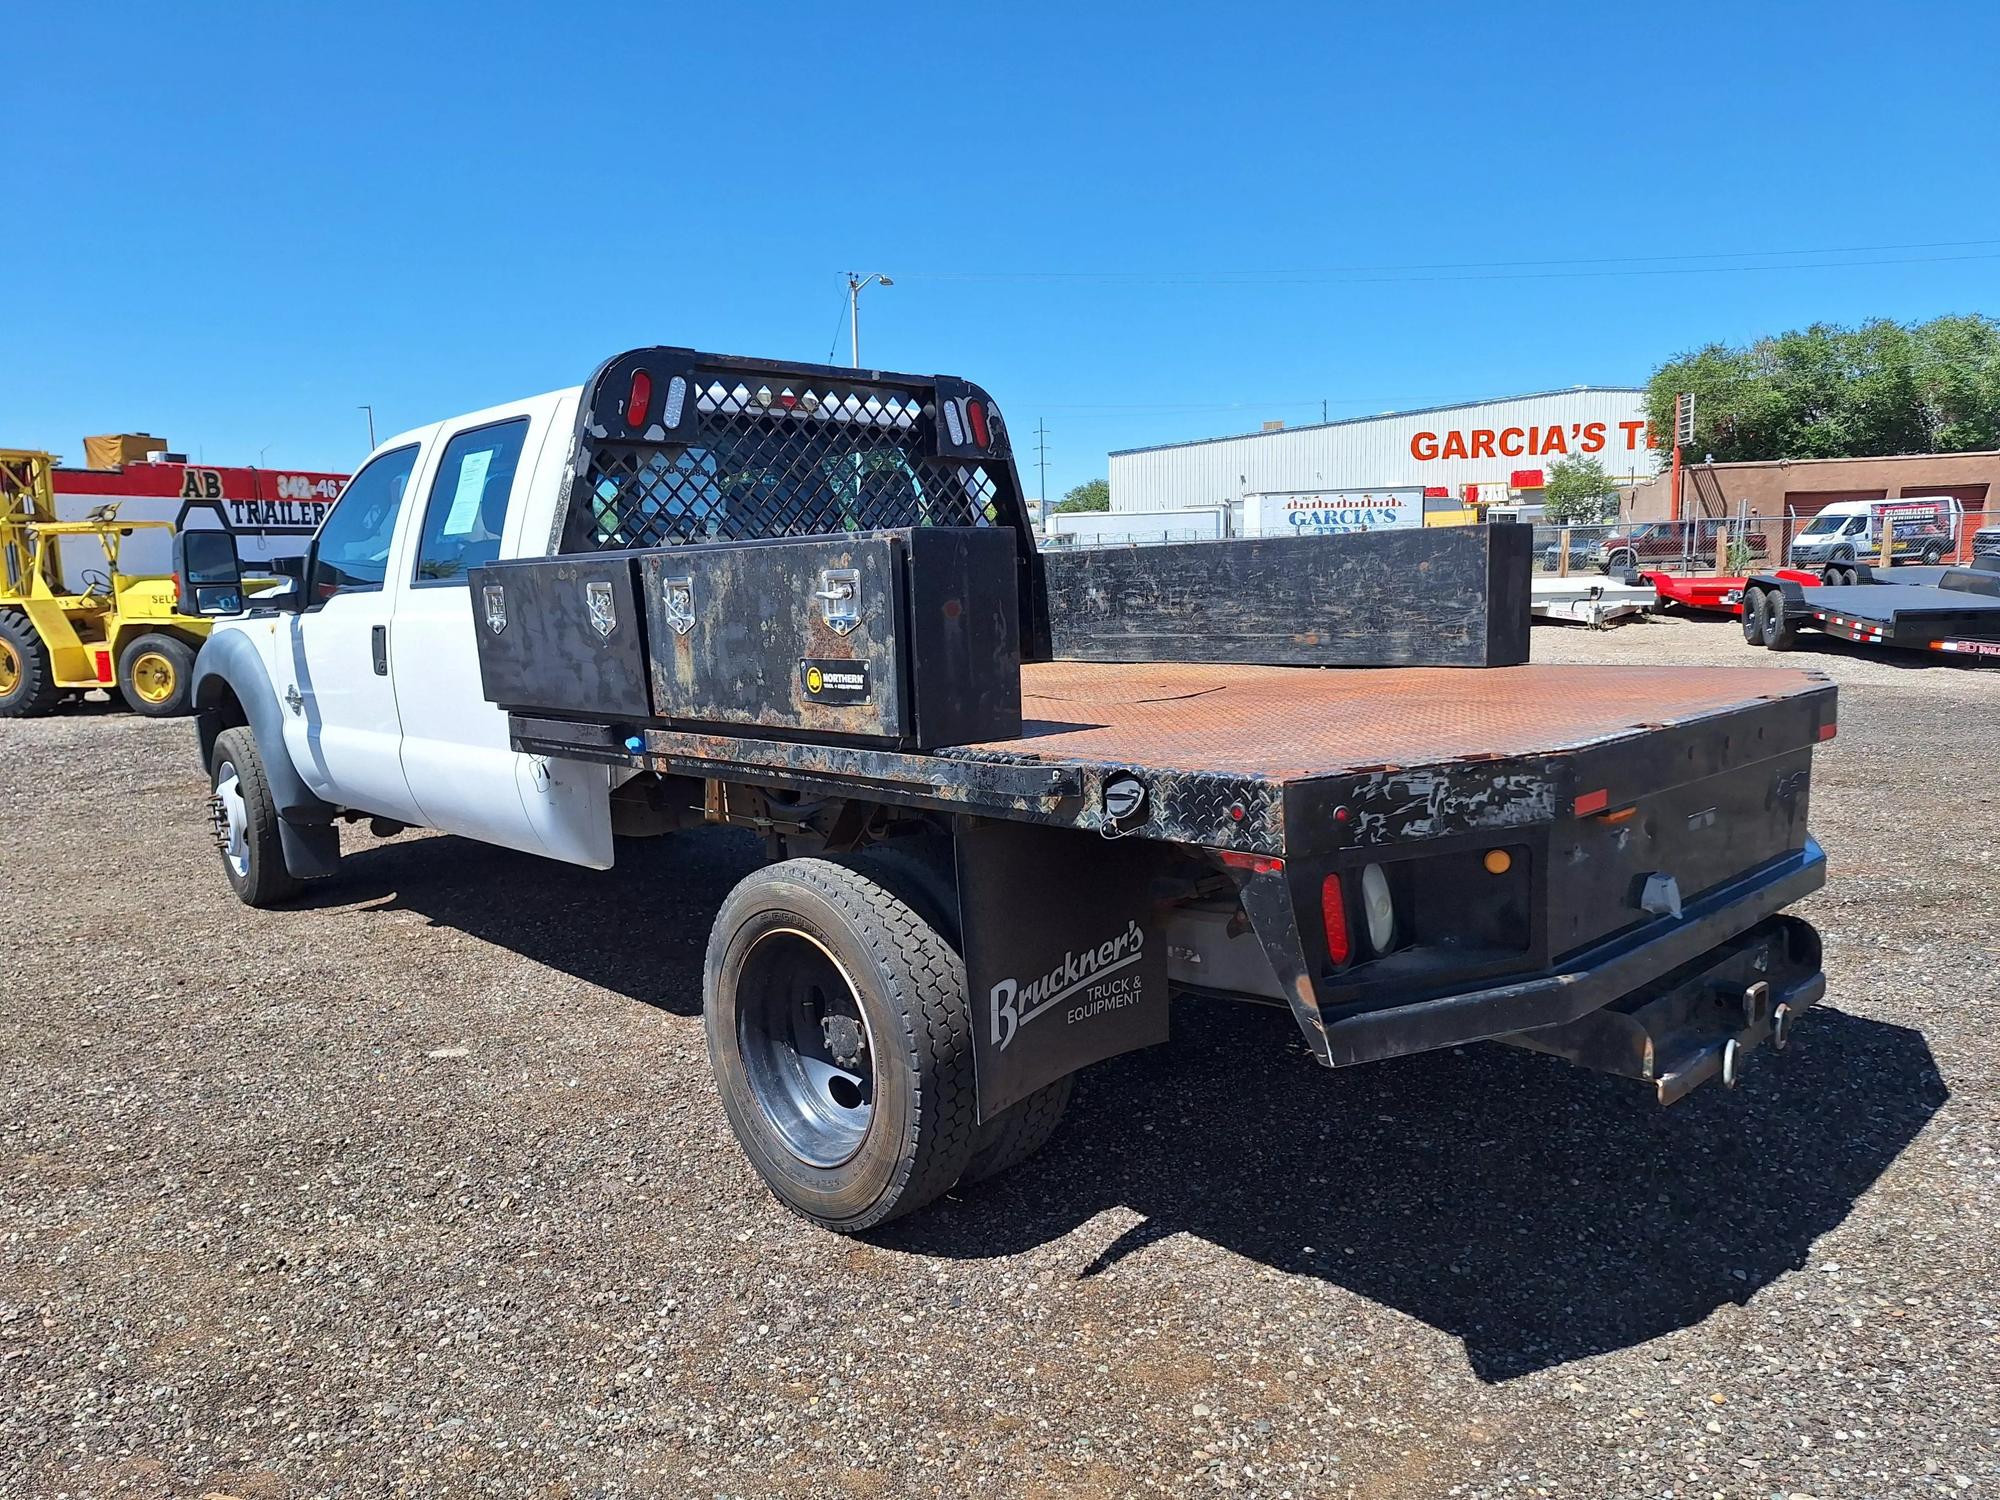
839	595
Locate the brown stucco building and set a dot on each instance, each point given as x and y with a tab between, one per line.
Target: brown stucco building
1800	487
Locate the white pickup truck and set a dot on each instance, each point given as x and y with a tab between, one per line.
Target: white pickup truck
807	601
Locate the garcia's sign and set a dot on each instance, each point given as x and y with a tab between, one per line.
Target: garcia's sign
1332	512
1532	442
1063	963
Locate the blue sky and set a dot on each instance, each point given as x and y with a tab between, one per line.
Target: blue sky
229	225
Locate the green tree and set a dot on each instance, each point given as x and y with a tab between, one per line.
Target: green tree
1578	492
1092	494
1832	392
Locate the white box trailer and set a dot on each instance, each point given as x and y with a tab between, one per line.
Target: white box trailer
1120	528
1330	512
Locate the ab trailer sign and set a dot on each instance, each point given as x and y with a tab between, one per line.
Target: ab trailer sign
296	505
1332	512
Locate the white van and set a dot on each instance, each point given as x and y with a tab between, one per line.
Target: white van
1922	527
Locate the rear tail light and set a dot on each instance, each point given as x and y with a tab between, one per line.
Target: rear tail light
975	418
951	423
1333	912
640	401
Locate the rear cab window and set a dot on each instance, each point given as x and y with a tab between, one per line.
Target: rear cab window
467	509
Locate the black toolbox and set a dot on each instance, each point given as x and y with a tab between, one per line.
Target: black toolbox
907	638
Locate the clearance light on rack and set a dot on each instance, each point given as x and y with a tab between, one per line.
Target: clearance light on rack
639	401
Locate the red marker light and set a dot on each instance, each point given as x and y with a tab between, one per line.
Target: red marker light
975	416
1591	802
1256	864
1333	912
1828	730
639	401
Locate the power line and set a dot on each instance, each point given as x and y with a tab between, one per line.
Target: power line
1488	271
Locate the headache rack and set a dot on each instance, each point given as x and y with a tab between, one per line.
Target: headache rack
675	447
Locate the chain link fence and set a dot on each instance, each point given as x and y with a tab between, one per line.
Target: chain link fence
1754	544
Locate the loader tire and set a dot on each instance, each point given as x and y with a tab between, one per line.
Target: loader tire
27	677
244	817
841	1038
1019	1131
156	676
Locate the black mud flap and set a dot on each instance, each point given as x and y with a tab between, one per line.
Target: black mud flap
1702	1021
1063	955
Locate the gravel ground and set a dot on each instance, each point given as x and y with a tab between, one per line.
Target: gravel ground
421	1188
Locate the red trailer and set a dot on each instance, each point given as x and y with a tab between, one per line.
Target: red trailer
1714	592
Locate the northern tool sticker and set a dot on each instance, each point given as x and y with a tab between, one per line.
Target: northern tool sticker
834	681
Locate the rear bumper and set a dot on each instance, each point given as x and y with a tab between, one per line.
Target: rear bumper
1632	966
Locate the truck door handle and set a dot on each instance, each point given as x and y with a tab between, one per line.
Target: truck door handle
378	643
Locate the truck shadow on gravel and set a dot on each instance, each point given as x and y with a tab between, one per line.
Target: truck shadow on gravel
1536	1212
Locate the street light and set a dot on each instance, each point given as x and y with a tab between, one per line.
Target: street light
371	425
855	282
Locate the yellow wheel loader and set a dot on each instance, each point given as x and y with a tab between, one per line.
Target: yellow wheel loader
62	636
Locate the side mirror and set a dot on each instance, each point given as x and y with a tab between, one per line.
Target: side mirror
207	573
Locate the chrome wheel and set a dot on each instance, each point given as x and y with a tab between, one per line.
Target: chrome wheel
231	820
806	1048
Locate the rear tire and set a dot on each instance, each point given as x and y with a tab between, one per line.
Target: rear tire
841	1038
1776	635
244	816
156	676
27	677
1933	555
1753	611
1018	1131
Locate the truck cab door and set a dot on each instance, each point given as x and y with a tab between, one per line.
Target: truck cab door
332	671
461	766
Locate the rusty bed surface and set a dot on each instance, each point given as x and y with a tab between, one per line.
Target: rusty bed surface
1290	722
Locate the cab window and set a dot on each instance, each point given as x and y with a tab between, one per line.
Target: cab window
468	502
351	553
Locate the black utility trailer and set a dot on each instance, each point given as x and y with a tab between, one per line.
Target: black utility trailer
1013	802
1953	612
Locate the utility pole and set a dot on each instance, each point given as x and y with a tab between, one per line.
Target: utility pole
855	282
371	425
1322	411
1042	463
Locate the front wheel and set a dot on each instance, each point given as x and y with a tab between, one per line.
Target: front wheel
1621	561
1933	555
244	818
841	1039
156	676
27	676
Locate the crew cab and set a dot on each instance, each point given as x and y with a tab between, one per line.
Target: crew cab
1011	802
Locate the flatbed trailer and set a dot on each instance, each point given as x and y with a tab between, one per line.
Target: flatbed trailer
1950	612
1013	802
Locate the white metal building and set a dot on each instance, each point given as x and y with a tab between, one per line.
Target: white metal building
1483	451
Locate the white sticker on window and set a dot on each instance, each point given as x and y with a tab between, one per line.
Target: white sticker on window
471	489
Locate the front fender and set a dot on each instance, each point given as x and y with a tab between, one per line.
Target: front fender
229	668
